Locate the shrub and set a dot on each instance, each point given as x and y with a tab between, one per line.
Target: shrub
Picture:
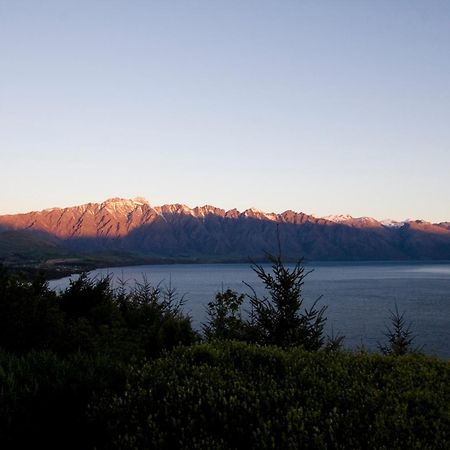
277	319
90	316
281	319
29	315
225	320
399	336
233	395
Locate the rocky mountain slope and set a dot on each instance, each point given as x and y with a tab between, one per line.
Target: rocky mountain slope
210	233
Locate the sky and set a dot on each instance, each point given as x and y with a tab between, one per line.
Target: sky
325	107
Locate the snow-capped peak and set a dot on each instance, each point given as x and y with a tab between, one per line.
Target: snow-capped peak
126	201
122	205
338	218
390	223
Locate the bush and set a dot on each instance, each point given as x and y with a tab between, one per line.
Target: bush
281	319
233	395
277	319
30	317
399	336
92	317
225	320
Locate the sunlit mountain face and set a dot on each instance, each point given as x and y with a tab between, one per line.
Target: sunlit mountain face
178	231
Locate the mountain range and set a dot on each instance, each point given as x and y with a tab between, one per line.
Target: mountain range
133	228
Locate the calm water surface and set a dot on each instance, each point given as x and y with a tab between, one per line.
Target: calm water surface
359	295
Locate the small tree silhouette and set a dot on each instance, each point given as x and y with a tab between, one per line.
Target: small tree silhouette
225	321
399	336
280	319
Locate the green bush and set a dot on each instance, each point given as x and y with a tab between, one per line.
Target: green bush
225	395
399	336
280	318
233	395
30	316
91	317
224	317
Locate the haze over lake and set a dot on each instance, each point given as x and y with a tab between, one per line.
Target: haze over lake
359	295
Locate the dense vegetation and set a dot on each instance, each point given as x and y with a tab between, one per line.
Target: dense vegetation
97	367
90	317
233	395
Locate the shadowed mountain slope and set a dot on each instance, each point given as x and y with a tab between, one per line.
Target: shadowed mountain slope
179	232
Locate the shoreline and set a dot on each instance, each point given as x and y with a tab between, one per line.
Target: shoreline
56	270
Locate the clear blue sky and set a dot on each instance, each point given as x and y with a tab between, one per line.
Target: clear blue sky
318	106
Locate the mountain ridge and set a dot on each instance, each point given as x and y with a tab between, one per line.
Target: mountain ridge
200	210
179	231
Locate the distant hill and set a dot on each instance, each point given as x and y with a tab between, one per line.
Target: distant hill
177	232
23	245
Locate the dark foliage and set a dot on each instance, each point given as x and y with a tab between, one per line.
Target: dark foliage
280	319
90	316
277	319
30	317
399	336
79	370
45	399
225	320
233	395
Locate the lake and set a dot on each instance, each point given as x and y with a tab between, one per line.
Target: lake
359	295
